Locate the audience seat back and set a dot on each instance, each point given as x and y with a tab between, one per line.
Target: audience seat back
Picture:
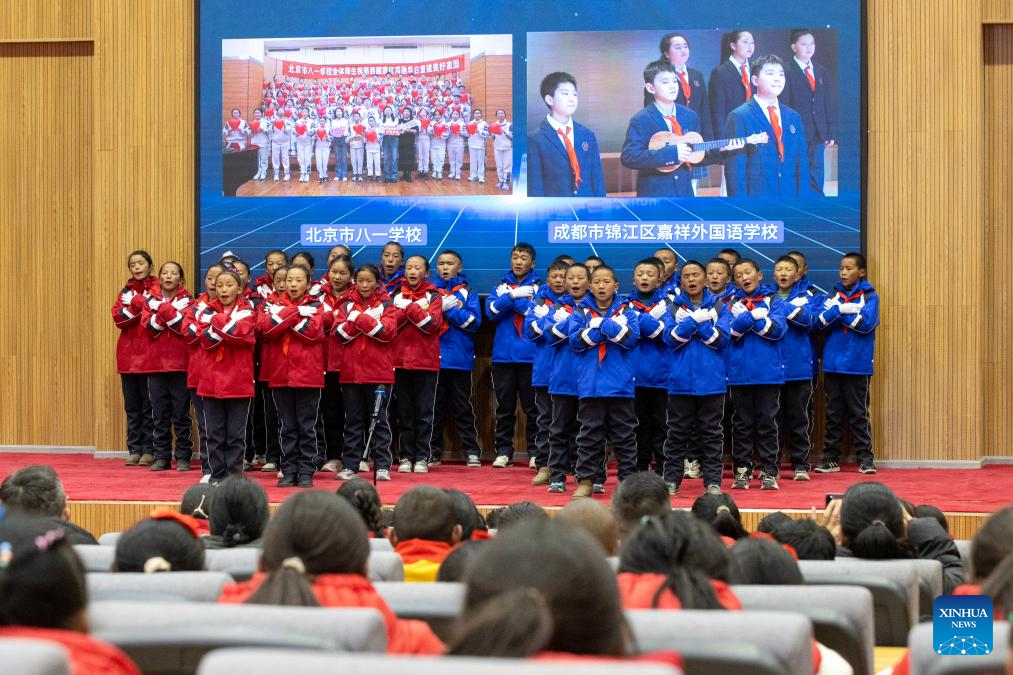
240	563
33	657
423	601
184	586
925	660
95	558
109	539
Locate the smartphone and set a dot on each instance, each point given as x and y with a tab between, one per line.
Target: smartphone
831	497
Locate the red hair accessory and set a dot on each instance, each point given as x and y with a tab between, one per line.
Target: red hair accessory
189	522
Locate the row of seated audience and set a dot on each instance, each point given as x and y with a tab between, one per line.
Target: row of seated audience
531	580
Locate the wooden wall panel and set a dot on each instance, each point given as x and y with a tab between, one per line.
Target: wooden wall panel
45	227
45	19
242	87
997	11
925	234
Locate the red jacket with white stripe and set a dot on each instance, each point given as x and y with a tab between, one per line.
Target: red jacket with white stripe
418	337
227	336
366	328
132	345
191	336
164	320
334	350
296	329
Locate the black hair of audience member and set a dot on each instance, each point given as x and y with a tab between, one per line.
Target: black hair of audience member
907	506
872	522
492	520
999	587
640	494
366	500
195	501
929	511
772	521
533	588
34	490
425	512
684	549
158	545
992	543
721	512
312	533
466	513
518	512
764	562
457	563
43	584
237	512
810	540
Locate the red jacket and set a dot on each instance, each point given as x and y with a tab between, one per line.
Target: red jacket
164	321
132	345
368	355
267	353
353	590
264	286
227	360
296	328
88	656
191	335
334	350
418	337
638	591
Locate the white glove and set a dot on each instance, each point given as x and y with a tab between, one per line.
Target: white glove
353	315
206	317
423	303
560	315
180	303
850	308
759	313
502	289
274	309
375	312
621	319
701	315
401	302
680	315
830	302
541	311
449	302
306	310
522	292
595	322
713	314
658	310
154	303
800	301
126	297
242	314
738	308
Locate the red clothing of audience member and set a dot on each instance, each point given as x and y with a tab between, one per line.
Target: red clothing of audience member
637	591
87	655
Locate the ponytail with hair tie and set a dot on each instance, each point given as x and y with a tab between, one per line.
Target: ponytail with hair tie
157	564
294	563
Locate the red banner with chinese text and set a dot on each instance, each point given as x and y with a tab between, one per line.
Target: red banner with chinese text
296	69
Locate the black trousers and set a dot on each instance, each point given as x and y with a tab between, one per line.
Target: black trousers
202	430
332	412
543	424
650	405
226	419
170	410
298	409
266	438
510	382
359	400
610	418
847	406
453	390
563	430
137	406
796	397
755	416
416	399
694	430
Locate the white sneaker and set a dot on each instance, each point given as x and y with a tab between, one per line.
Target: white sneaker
206	478
382	474
288	178
346	474
421	467
405	466
277	177
269	467
474	460
691	468
531	463
364	467
331	466
501	462
482	181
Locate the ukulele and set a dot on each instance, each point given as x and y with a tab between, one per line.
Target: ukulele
697	145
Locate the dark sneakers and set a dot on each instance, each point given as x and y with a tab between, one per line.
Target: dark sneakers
287	481
867	468
182	465
741	479
160	465
768	482
305	481
828	466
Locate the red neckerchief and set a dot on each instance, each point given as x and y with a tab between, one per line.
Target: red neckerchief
445	292
286	301
181	292
418	292
751	303
844	297
147	285
216	305
376	299
518	319
264	280
603	347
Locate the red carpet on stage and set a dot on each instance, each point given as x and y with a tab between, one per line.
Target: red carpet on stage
952	490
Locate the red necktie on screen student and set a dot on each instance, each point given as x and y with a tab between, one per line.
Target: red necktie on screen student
684	83
775	123
574	166
809	76
745	82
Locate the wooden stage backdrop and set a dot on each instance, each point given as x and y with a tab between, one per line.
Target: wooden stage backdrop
108	167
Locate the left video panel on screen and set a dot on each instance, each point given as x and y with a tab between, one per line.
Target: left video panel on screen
368	116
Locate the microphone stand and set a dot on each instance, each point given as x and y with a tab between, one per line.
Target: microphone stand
381	391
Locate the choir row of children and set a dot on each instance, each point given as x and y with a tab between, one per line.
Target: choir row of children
648	371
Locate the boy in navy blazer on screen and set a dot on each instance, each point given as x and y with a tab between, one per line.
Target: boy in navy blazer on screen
563	156
811	93
779	167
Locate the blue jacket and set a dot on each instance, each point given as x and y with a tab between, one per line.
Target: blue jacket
851	337
549	172
754	356
604	368
800	362
457	344
563	378
649	355
509	345
757	170
534	330
394	283
636	155
696	350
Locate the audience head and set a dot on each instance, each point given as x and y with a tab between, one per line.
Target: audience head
366	500
532	589
596	519
929	511
992	544
466	514
999	587
312	533
34	490
772	521
425	512
721	512
685	550
238	511
195	501
165	542
873	523
519	512
810	540
640	494
760	561
457	563
42	581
